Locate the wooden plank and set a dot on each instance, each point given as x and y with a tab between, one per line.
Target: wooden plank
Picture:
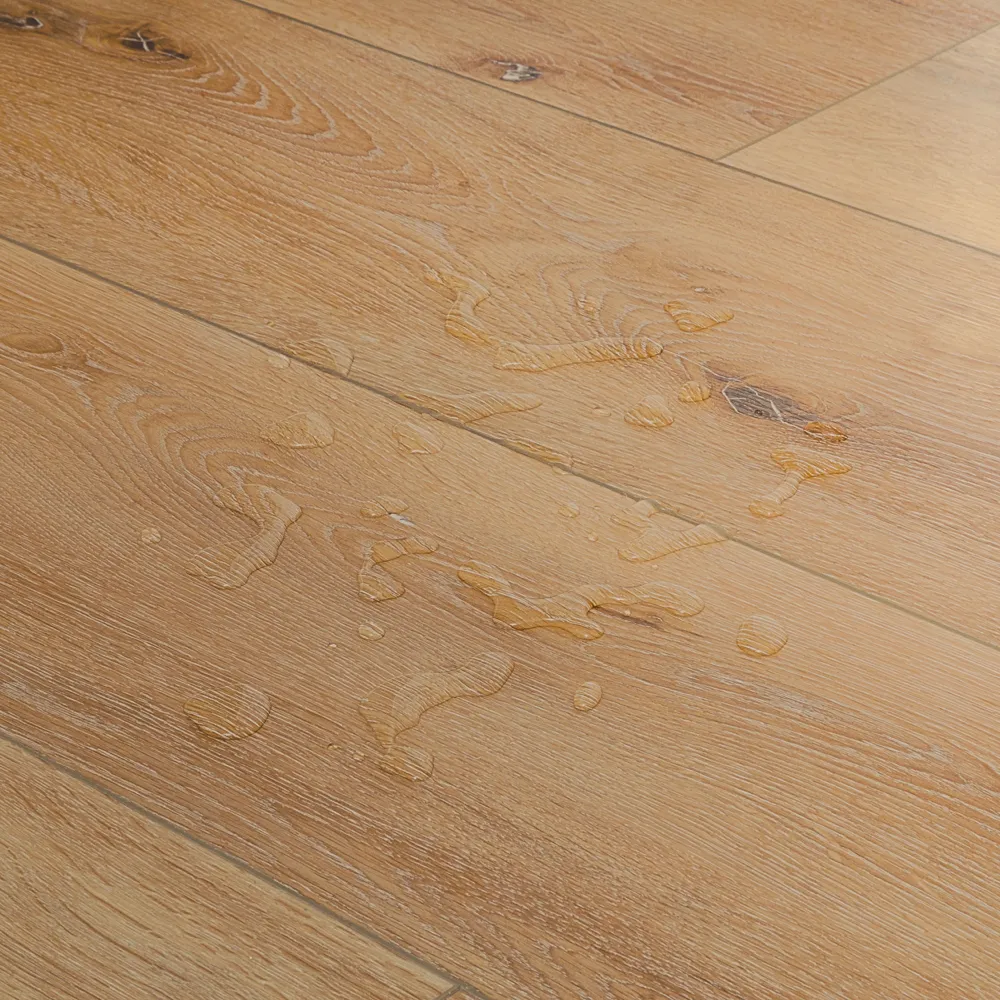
292	185
820	822
100	901
921	148
706	77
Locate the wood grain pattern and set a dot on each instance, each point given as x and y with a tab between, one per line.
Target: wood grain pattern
820	822
922	147
705	76
99	901
294	186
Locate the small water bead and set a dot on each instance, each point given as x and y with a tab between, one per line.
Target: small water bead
150	536
692	320
650	411
823	431
694	392
231	713
570	509
371	630
325	351
587	696
761	635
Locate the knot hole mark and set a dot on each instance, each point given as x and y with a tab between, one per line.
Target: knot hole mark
145	40
29	22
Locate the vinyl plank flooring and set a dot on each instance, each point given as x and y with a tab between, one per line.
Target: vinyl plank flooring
100	901
289	184
819	822
922	147
704	76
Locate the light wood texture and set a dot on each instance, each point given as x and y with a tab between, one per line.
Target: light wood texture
705	76
98	901
923	147
822	822
293	185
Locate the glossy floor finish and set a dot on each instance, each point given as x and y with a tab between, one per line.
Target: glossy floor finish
499	500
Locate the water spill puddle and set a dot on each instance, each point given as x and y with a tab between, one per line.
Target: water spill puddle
568	611
395	708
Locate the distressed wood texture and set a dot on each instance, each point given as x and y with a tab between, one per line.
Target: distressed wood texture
293	185
704	76
822	822
922	147
99	901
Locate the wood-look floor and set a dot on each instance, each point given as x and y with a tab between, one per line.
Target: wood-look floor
568	561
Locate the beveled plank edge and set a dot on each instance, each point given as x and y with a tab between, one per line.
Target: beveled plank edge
457	988
462	992
720	159
503	443
843	100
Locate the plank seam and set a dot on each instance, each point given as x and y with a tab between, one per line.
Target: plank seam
703	158
856	93
508	445
239	863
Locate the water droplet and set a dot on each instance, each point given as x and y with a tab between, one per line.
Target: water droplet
700	288
560	471
232	713
371	630
472	406
587	696
601	411
358	756
301	430
332	645
694	392
396	708
374	582
540	451
407	762
402	519
592	538
228	566
692	320
461	320
798	467
568	611
825	432
324	351
570	509
657	542
150	536
417	439
637	516
277	360
650	411
761	635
